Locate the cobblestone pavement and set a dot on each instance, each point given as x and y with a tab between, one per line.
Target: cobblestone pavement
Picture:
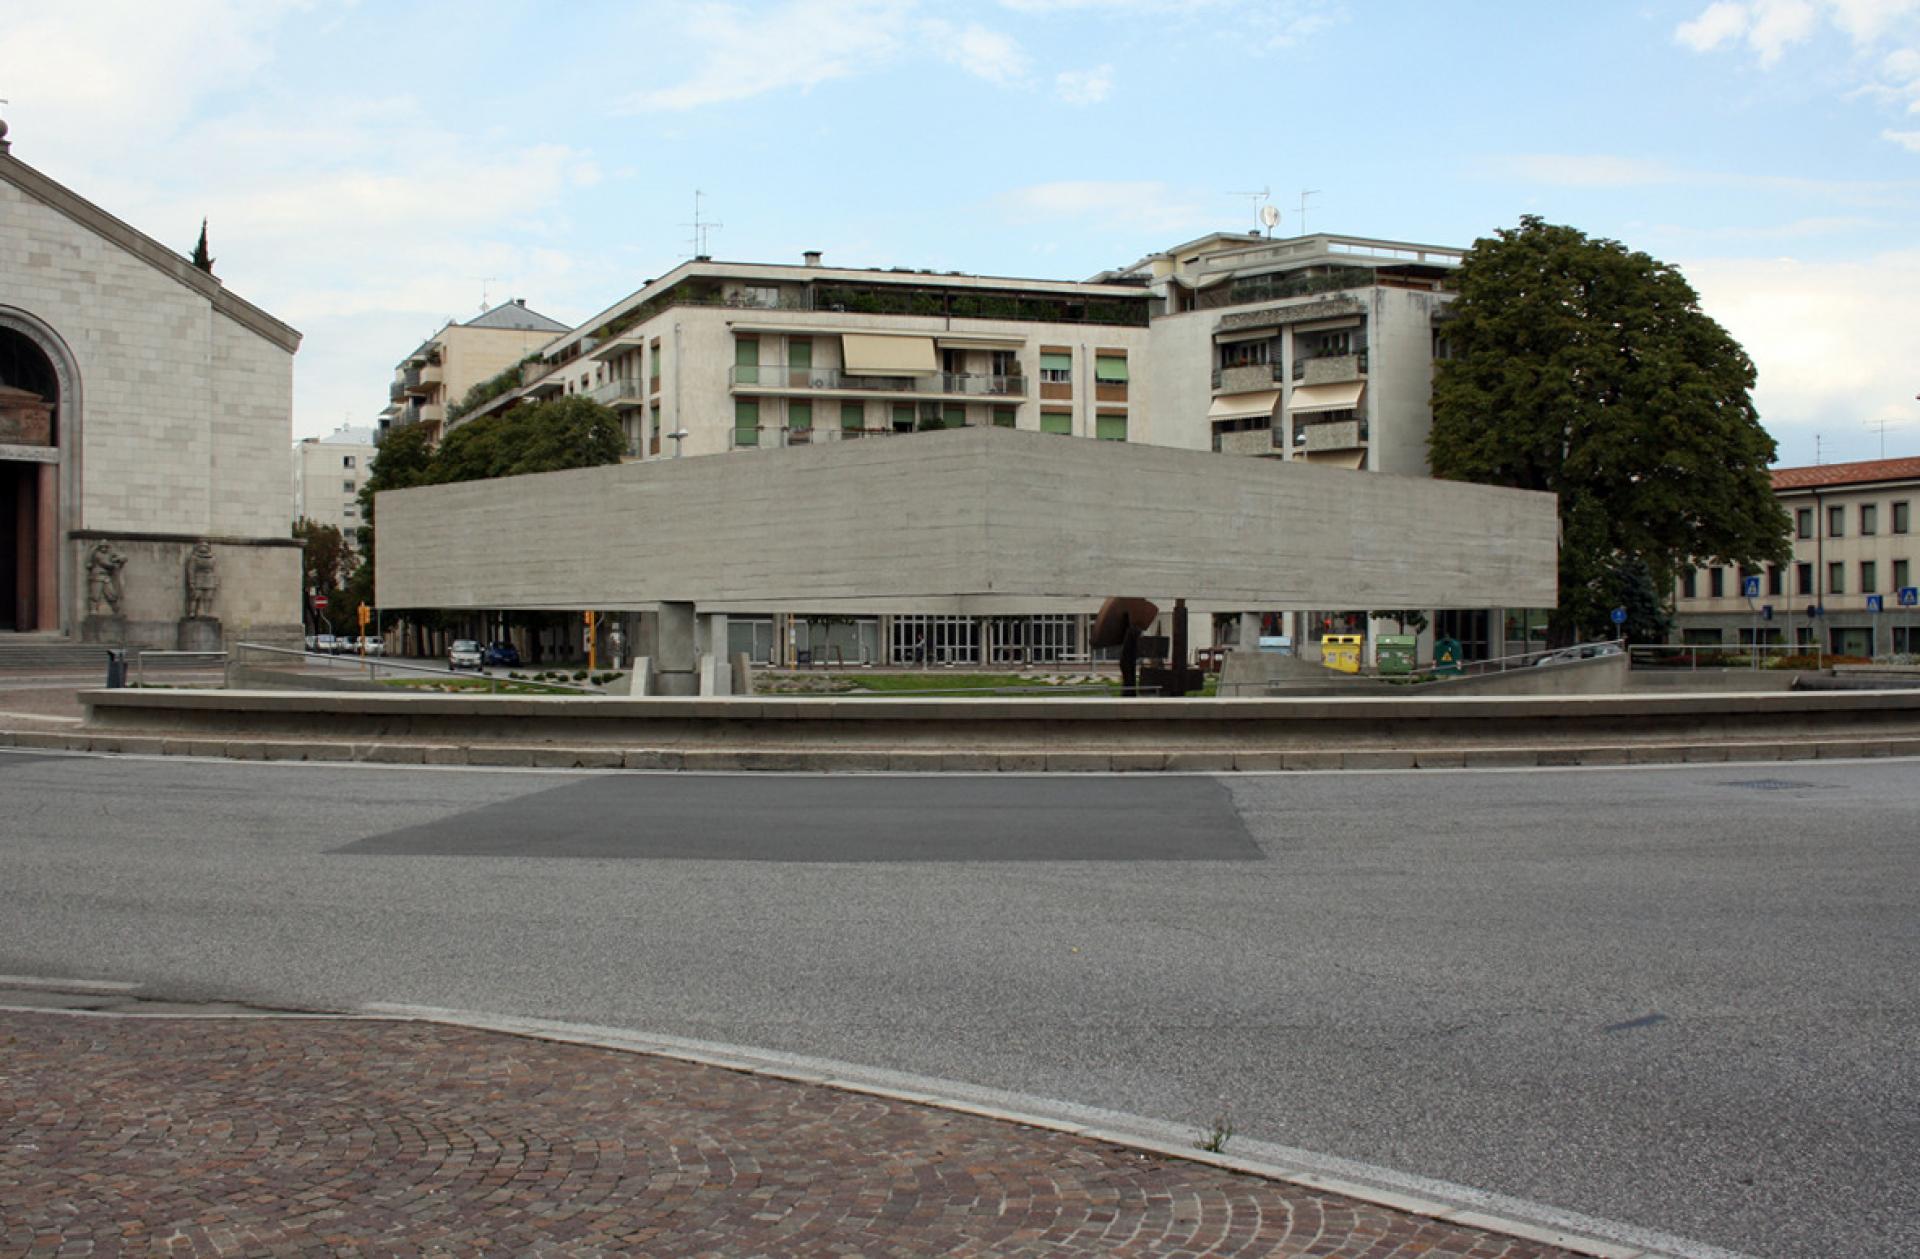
314	1137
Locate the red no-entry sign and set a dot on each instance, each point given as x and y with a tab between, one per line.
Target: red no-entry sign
320	603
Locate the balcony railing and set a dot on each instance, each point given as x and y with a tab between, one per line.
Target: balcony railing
410	378
1330	369
833	379
621	390
772	436
1246	374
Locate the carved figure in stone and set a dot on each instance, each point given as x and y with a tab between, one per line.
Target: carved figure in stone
103	580
203	580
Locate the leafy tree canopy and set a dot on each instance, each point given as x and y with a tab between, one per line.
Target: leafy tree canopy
1588	370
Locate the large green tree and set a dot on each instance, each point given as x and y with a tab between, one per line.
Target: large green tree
1583	368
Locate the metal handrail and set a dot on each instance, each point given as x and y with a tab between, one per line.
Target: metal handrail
375	664
140	660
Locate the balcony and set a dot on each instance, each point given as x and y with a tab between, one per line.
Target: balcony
1252	441
410	378
1245	377
773	436
622	391
396	391
1330	435
1330	369
778	379
431	374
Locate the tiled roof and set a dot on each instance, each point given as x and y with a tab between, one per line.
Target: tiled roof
516	316
1822	475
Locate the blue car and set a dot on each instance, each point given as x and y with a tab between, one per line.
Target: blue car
503	654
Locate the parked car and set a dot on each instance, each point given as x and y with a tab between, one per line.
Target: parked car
325	644
504	654
465	654
1586	651
371	646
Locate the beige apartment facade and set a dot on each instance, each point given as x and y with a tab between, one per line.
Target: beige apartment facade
328	474
440	371
1854	559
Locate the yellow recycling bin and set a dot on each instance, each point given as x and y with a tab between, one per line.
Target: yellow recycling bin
1341	651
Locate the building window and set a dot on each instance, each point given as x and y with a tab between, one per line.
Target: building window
653	365
347	512
800	416
1902	577
1869	577
1836	522
1110	428
1246	353
1689	584
1003	417
903	417
763	297
746	361
1060	422
346	487
1056	369
1803	522
346	461
1775	580
1110	369
1836	578
853	416
1803	579
746	421
1869	520
1900	517
799	360
1716	582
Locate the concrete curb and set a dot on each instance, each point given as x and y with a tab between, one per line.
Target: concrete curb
1395	1191
877	760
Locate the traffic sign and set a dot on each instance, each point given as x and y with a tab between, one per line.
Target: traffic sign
1875	603
1766	611
1619	616
1750	587
320	603
1910	596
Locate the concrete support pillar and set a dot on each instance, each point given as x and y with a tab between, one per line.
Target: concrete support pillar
1249	631
675	653
710	634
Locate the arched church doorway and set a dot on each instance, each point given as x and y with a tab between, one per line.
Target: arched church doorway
29	480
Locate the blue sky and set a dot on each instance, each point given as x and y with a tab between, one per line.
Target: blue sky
369	169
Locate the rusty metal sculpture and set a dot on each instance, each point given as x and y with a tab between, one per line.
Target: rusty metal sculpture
1122	622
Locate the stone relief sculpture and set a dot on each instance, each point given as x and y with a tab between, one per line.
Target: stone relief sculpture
103	580
203	580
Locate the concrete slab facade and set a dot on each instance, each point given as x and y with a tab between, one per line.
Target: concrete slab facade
976	520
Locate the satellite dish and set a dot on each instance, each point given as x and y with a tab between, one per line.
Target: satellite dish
1270	216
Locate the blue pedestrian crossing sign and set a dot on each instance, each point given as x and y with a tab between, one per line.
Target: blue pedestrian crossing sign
1910	596
1874	603
1750	587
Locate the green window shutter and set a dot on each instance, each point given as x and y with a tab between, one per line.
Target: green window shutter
746	422
903	416
1110	428
1054	422
1003	417
1110	371
955	416
800	354
800	415
853	415
1056	362
746	362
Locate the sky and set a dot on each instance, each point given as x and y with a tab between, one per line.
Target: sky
370	170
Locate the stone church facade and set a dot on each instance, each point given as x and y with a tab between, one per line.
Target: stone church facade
145	416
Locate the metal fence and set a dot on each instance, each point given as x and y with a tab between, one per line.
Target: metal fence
319	666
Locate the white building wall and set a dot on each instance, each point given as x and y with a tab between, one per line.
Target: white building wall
1400	379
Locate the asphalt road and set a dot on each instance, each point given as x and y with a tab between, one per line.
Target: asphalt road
1684	998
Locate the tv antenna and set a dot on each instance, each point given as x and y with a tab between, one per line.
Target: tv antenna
1304	194
1883	424
700	227
484	281
1259	200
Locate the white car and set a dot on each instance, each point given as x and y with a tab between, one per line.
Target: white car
464	654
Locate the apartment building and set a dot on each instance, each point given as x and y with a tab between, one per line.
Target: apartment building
328	473
444	366
1848	588
1317	348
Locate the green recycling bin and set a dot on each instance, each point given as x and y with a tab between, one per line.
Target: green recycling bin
1395	654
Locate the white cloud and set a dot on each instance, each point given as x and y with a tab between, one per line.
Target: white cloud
1908	140
1130	204
1585	170
983	53
746	52
1769	28
1601	170
1084	87
1778	24
1831	341
1717	23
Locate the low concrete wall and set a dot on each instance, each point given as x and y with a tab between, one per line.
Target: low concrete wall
1053	723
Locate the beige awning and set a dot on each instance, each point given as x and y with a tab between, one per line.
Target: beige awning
888	356
1338	459
1343	397
1239	406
